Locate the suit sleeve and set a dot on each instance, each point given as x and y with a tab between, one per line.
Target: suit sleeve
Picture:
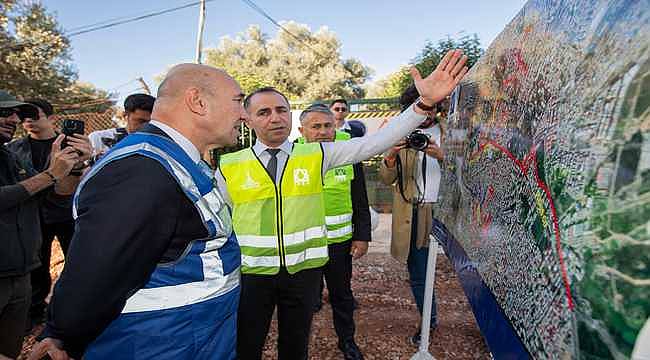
126	220
362	228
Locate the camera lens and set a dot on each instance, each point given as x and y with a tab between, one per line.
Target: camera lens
418	141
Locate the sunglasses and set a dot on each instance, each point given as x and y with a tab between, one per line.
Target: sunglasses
7	112
340	109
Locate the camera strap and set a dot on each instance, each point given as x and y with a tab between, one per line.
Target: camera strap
400	182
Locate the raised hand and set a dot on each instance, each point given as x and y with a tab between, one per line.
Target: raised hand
442	81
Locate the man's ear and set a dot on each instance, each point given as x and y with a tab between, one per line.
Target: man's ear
300	128
195	102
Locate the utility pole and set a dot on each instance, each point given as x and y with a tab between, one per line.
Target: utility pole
199	36
145	87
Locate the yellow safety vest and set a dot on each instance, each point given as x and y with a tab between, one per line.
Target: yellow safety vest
278	225
337	189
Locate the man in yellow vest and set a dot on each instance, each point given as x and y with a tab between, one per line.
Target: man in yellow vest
276	193
348	230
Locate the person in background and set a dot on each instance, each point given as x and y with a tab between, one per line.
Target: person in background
34	149
341	110
137	112
21	191
348	225
415	175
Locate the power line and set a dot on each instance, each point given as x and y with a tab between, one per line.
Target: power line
105	24
121	86
83	27
90	28
261	11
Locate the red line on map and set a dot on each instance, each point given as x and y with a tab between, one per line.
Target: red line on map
522	165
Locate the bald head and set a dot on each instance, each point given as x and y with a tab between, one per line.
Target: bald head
201	102
184	76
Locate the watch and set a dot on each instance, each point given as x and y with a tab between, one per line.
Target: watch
424	107
48	173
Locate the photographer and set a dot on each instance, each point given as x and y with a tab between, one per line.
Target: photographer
22	188
412	167
137	112
55	213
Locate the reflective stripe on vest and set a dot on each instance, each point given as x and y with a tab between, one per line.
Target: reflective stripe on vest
337	194
278	225
209	267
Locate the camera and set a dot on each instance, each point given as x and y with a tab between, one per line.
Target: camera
120	133
417	140
71	127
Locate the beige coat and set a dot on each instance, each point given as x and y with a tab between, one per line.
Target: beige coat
402	210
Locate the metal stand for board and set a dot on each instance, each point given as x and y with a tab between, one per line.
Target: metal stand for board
423	351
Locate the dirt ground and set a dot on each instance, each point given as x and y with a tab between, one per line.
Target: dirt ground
386	315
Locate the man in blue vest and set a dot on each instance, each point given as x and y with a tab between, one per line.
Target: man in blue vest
153	267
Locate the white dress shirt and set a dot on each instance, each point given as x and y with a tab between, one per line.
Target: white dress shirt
96	142
345	126
346	152
432	184
179	139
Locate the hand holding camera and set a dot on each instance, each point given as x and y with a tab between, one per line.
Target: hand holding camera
62	160
73	131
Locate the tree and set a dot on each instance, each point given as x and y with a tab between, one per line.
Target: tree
426	61
35	56
307	66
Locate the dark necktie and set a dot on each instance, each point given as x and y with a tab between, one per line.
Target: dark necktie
272	165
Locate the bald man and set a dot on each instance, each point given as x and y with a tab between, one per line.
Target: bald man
153	268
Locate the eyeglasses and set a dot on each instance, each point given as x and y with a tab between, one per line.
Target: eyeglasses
340	109
7	112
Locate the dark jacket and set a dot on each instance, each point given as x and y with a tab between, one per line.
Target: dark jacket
357	128
132	216
19	220
362	228
53	208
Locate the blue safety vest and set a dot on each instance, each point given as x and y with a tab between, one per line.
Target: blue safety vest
188	308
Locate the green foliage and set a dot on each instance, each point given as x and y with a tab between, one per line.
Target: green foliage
394	84
35	56
312	71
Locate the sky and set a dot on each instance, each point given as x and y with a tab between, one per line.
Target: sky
382	35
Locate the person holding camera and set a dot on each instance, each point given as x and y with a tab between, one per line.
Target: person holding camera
137	112
276	191
34	149
22	190
412	167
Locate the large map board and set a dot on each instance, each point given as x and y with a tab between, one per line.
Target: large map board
546	180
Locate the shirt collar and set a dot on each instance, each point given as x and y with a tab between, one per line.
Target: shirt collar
181	140
259	147
346	126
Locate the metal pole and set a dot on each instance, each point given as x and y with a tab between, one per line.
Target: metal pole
423	351
199	36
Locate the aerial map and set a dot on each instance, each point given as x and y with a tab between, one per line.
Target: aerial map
546	181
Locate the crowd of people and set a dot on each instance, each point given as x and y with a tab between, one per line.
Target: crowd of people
166	258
